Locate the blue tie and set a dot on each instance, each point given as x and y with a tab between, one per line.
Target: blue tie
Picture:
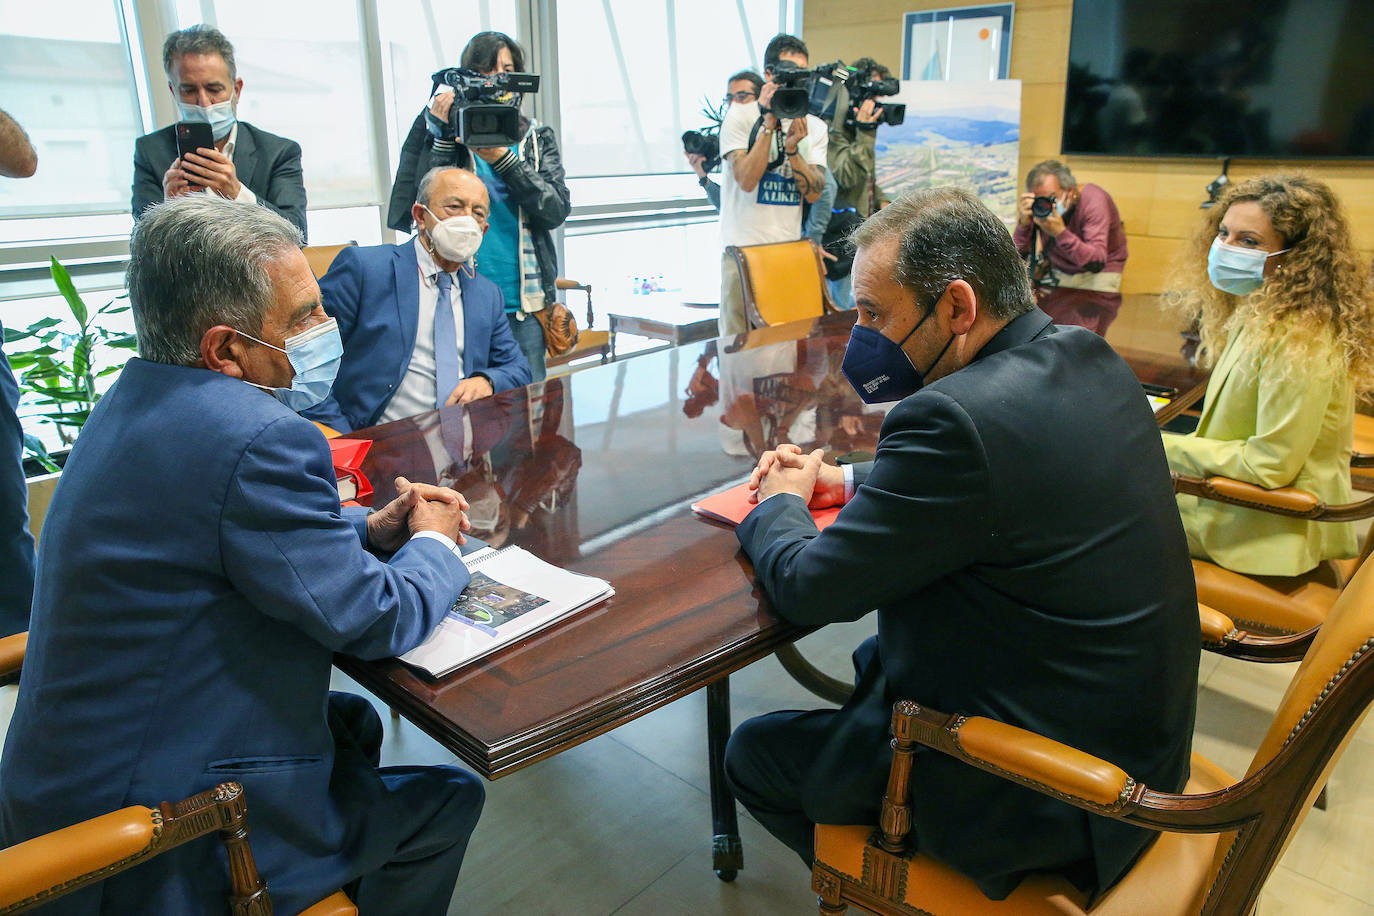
446	369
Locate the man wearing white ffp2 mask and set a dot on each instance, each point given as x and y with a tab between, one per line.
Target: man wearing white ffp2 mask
242	163
422	329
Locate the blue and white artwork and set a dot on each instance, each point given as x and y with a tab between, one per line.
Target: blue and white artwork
955	133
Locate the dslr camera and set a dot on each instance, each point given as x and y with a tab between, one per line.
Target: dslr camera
704	143
1043	206
486	109
792	98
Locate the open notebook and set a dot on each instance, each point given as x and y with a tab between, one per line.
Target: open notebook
512	594
732	505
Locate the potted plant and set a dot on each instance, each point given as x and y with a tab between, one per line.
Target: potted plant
59	372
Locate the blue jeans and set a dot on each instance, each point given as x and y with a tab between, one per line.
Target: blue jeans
840	291
529	334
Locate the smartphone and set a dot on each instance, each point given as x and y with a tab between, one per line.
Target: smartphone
194	135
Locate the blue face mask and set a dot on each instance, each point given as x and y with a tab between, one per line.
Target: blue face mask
879	369
315	355
1237	270
219	116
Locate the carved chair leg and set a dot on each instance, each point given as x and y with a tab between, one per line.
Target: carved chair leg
828	910
826	884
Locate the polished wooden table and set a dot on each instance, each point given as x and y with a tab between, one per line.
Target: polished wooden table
681	324
595	472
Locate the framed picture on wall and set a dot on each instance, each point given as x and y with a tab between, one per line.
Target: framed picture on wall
960	43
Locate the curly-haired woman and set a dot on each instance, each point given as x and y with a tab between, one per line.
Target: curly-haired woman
1287	324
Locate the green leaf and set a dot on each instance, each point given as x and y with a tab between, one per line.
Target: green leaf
20	360
81	357
34	446
123	342
43	323
75	418
68	290
108	370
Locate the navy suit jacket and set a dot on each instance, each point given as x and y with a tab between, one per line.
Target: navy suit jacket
195	577
1018	536
268	165
374	292
16	544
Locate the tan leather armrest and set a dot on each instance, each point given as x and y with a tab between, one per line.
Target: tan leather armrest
12	653
55	858
1038	759
1289	499
336	904
329	431
565	283
1215	625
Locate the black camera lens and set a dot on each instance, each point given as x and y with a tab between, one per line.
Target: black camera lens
1042	207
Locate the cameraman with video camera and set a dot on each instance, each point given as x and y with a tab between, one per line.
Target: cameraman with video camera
522	171
1081	247
851	161
775	158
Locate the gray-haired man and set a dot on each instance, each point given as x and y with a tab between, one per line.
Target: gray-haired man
246	163
197	575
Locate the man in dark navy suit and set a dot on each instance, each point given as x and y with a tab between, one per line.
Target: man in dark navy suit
246	162
195	578
421	328
1005	587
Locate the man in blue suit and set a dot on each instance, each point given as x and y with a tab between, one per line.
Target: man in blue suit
195	577
421	328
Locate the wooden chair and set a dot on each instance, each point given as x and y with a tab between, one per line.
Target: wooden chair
1220	839
783	282
319	257
1275	604
589	342
50	866
47	867
1362	461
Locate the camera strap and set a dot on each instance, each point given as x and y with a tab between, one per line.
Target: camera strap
779	144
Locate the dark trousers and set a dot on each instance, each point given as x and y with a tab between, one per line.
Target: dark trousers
441	805
766	763
529	334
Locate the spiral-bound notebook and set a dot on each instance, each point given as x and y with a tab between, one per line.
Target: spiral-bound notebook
512	594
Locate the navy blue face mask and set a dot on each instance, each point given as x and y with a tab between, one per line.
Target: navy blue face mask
879	369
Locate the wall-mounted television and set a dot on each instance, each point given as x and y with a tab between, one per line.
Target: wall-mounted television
1276	79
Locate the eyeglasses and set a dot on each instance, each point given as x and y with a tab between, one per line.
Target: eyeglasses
742	96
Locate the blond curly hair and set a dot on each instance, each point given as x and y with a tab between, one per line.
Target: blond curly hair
1317	307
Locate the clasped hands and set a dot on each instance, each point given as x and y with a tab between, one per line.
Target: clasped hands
417	507
786	469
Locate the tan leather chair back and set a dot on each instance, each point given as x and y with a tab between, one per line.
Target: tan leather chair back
319	257
783	282
1345	637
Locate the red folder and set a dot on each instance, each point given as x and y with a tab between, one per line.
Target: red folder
733	505
354	487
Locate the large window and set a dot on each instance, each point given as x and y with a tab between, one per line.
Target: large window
633	74
66	77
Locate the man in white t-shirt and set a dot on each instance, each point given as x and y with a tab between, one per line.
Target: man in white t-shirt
772	166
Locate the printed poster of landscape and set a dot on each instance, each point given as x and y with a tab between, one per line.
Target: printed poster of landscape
955	133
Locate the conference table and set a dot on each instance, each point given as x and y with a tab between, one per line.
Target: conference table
596	472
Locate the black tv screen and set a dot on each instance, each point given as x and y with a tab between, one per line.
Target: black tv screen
1265	78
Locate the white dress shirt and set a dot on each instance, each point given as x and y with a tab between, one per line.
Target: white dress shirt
417	392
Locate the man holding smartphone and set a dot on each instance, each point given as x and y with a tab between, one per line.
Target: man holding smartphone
209	149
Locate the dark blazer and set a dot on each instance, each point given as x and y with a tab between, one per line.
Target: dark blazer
195	577
1018	536
268	165
374	293
16	545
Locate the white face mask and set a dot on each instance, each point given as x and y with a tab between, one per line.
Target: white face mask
456	238
219	116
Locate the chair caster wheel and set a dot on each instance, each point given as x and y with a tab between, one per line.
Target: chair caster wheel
726	874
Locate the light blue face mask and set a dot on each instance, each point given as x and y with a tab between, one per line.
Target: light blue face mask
315	355
219	116
1235	270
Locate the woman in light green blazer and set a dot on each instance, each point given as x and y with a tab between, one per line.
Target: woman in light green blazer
1287	320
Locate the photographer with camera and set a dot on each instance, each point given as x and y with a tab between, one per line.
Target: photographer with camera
775	152
518	161
702	147
1081	246
851	161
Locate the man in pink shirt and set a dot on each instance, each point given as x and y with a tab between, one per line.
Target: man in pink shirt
1080	245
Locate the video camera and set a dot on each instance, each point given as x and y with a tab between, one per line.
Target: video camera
860	90
486	109
792	98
